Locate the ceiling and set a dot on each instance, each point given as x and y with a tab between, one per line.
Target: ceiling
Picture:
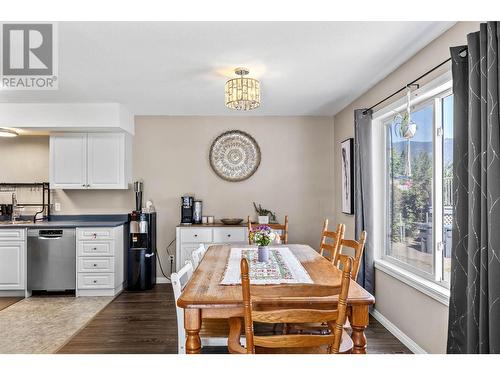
179	68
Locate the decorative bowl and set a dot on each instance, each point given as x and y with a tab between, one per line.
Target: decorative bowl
232	221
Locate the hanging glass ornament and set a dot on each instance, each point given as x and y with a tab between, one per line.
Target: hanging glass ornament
405	126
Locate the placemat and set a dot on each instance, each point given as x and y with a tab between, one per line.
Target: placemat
283	267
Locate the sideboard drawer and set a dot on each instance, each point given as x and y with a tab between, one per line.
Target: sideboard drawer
12	234
200	235
96	248
98	264
95	280
228	235
94	234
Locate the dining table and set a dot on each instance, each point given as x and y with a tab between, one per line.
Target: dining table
204	297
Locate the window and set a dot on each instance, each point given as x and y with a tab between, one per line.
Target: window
418	189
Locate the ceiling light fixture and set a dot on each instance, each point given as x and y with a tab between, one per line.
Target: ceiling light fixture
242	93
4	132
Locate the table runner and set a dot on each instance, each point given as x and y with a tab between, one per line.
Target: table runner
283	267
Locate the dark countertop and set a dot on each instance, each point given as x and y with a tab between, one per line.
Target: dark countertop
215	225
73	221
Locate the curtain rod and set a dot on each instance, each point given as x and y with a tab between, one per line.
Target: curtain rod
411	83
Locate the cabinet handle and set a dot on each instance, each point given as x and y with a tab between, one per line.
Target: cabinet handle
83	185
196	235
94	248
95	265
94	281
229	235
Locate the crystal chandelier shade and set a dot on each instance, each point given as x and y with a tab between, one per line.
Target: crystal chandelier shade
242	93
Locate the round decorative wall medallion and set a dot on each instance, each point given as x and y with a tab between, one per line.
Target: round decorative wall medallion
234	155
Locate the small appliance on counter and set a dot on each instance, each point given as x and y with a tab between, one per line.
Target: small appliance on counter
197	212
141	254
187	210
138	187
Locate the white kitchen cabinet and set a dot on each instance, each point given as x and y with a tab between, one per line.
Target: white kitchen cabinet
106	160
68	161
90	161
100	266
13	260
189	238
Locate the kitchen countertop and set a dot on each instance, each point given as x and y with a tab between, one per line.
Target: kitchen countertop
73	221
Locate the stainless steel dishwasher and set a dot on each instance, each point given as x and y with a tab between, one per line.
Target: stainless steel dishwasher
51	259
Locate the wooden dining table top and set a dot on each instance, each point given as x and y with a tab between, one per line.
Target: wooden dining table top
205	291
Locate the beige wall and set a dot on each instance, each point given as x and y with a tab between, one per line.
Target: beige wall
23	159
413	318
295	176
171	156
420	317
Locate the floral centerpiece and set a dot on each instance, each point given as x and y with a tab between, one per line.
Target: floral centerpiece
262	236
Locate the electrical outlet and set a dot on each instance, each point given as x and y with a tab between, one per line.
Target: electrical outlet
57	206
171	258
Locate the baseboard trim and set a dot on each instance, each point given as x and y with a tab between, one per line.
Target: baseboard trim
400	335
162	280
12	293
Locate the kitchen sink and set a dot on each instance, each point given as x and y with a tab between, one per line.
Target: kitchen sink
11	222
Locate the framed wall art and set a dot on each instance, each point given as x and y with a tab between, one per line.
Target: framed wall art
347	160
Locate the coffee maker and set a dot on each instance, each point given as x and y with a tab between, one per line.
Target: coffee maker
187	210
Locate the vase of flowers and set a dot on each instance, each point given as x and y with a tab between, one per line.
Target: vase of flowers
262	236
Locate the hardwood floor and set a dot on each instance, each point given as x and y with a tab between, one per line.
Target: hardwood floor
145	322
7	301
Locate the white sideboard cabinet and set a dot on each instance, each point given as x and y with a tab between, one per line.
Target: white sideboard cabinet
189	237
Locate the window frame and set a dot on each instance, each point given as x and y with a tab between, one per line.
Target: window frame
432	93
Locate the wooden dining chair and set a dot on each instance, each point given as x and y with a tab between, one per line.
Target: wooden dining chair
336	237
358	247
335	341
275	227
214	332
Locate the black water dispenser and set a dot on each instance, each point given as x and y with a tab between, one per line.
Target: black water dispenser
141	255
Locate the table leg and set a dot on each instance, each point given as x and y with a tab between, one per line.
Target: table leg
359	321
192	325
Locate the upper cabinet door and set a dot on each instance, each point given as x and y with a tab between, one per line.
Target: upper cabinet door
106	161
68	161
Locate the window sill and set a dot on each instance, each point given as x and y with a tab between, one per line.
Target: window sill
437	292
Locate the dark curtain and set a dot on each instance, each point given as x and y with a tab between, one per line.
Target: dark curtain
363	193
474	317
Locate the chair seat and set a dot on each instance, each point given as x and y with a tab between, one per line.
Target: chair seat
320	329
346	346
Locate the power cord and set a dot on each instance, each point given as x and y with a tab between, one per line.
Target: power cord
171	260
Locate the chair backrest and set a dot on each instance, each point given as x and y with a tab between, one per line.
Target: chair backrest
335	318
281	227
336	237
358	247
197	255
179	280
